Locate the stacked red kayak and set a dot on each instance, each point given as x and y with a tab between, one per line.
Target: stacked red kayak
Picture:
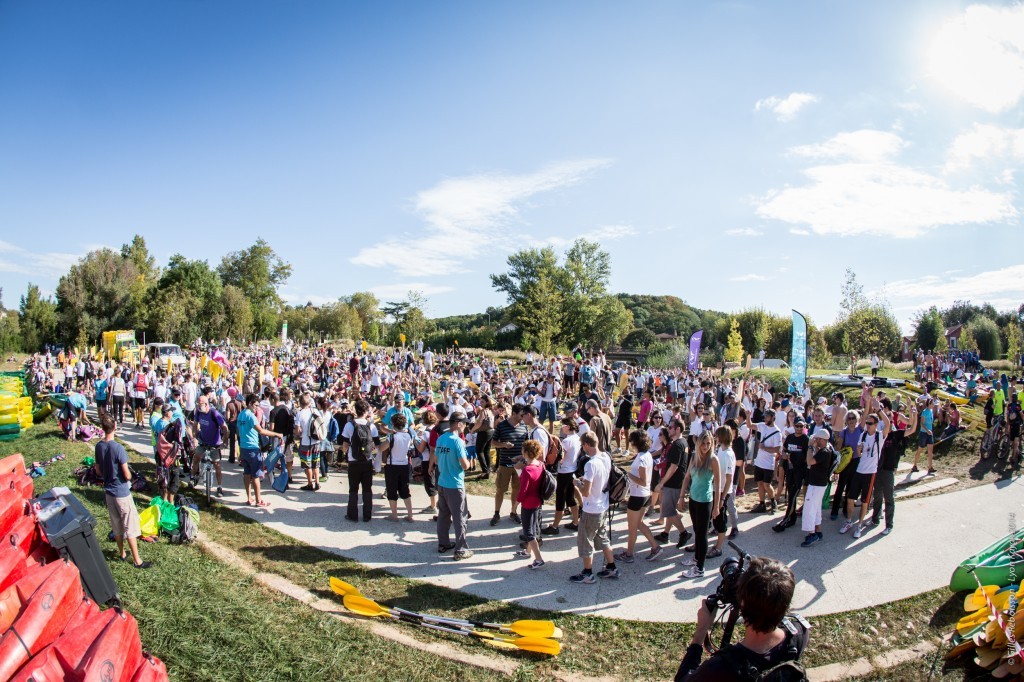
51	629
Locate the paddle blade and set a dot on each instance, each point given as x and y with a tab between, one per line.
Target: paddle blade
557	634
341	587
533	628
539	645
364	607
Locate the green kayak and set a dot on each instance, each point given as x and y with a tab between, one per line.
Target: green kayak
999	564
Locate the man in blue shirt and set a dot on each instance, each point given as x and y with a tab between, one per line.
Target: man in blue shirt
101	386
398	407
452	463
112	466
249	432
211	430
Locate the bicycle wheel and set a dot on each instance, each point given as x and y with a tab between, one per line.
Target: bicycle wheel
208	476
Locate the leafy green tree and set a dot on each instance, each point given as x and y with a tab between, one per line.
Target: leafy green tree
37	320
174	314
258	271
140	290
990	346
753	324
734	348
611	321
237	320
539	311
368	308
928	329
967	341
95	295
640	338
204	287
1013	342
853	298
873	329
942	345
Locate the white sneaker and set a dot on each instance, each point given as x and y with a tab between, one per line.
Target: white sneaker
886	531
846	527
856	532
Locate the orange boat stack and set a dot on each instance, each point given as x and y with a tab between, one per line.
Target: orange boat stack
51	629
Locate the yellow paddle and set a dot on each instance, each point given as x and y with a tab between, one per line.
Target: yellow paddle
371	609
524	628
341	587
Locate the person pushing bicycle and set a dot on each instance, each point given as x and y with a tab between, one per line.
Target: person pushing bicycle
210	430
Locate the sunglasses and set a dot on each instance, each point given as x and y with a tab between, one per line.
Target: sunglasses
871	423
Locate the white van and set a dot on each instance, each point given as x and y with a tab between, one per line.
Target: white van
160	353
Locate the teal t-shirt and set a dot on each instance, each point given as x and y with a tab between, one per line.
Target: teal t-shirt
248	437
701	481
449	450
101	389
927	419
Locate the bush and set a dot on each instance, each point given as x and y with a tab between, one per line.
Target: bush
986	335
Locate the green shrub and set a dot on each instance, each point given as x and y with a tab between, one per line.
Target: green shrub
777	378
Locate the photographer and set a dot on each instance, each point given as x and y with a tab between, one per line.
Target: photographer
763	594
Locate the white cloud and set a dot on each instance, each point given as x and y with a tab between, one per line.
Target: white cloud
881	198
1003	288
859	145
468	212
978	55
46	264
786	108
401	290
986	142
748	278
744	232
608	233
799	233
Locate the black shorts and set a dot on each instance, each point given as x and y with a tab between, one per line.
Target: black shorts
859	486
1014	430
637	503
622	423
763	475
139	403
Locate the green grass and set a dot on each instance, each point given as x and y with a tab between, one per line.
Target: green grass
209	622
202	616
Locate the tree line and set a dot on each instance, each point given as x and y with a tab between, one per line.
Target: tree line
554	303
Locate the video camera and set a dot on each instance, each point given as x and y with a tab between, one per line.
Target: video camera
725	596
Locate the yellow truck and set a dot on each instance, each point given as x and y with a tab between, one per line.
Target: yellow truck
122	346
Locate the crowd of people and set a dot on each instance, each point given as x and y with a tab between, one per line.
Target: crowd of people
697	448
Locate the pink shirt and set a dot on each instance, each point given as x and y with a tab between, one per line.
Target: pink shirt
529	485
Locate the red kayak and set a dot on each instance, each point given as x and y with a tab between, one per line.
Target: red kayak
65	654
22	548
46	613
12	464
11	601
104	646
15	490
152	669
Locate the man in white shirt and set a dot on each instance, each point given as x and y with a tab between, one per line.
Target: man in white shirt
189	393
309	446
764	463
549	391
593	532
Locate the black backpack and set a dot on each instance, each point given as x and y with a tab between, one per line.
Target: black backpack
617	486
790	670
359	443
548	484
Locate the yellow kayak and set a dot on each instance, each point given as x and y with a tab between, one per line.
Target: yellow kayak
958	399
914	386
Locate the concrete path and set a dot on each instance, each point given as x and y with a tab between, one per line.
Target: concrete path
932	535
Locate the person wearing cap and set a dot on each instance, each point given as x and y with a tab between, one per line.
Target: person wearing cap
549	392
770	444
452	463
793	459
822	460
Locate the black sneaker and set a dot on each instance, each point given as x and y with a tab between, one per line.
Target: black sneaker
759	508
572	526
661	537
683	537
495	519
733	533
780	526
220	492
515	518
441	549
550	530
144	564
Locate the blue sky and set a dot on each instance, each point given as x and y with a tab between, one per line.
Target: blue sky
734	154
